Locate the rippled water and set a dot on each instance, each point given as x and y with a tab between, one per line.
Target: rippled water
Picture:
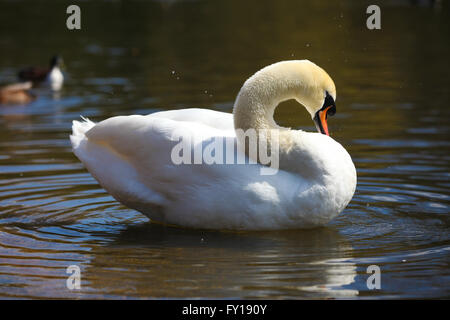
142	57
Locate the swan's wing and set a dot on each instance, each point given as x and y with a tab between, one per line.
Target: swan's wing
131	156
151	140
215	119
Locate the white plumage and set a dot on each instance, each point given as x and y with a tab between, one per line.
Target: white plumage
130	156
55	79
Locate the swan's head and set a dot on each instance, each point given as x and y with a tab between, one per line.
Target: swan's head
301	80
316	92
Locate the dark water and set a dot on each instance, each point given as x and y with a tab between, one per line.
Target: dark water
136	57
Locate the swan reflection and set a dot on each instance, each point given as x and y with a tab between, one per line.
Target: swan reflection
155	261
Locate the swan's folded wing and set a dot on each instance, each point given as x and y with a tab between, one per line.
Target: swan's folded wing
131	157
211	118
149	140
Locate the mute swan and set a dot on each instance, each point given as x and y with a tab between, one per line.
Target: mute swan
132	158
51	77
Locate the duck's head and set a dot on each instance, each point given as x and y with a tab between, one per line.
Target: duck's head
316	92
56	61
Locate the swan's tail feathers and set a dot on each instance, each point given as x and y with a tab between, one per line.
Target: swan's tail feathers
79	129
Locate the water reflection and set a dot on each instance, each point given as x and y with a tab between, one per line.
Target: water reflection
163	261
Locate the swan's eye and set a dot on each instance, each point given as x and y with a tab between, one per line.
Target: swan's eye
332	111
329	102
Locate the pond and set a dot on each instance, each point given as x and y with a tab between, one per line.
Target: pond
139	57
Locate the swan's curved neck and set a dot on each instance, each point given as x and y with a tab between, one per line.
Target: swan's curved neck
260	95
254	107
254	110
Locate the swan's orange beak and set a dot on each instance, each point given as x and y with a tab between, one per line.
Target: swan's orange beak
323	120
320	119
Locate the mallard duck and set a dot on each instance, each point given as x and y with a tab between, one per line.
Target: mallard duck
51	77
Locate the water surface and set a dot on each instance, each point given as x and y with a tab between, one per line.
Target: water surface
142	57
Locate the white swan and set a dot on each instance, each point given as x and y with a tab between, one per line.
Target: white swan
132	158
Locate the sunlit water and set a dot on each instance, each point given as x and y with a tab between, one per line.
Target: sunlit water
393	118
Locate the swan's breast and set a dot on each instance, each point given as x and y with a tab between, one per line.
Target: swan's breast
338	173
327	175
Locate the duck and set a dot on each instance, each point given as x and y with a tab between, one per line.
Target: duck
136	158
50	77
17	93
